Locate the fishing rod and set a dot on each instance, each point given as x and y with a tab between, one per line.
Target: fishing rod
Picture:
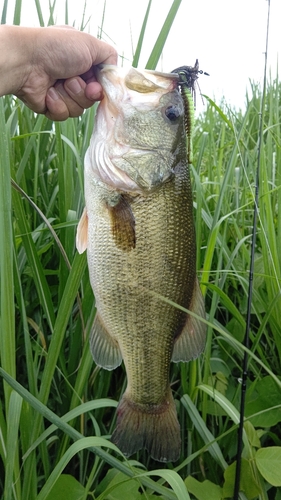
251	274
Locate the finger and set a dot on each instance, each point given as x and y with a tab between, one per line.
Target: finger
56	107
69	99
83	94
75	106
60	105
94	91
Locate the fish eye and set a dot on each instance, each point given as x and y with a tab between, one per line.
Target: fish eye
172	113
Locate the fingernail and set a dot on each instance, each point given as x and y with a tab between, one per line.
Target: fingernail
53	94
74	86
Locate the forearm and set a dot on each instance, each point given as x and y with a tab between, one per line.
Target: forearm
16	48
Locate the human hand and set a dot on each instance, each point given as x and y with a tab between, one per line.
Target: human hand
52	69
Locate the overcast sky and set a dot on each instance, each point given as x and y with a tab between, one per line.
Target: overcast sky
227	36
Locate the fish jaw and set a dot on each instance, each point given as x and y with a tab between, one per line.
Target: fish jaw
134	144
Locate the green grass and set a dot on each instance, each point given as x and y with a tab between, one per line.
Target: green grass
57	408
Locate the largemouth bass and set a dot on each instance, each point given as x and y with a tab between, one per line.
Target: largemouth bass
138	230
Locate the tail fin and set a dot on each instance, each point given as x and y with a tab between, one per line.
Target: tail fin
154	427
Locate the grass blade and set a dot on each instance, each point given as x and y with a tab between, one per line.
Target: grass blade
141	37
17	12
162	37
39	13
4	12
204	432
63	314
79	410
7	312
227	406
81	444
38	274
12	486
174	480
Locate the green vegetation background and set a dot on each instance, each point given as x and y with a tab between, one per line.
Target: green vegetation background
57	409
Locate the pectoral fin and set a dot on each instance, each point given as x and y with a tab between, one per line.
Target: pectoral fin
122	224
191	341
105	350
82	233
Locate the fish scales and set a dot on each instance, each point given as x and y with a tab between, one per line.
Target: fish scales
141	248
159	263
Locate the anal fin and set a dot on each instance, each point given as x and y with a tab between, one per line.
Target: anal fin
105	349
191	340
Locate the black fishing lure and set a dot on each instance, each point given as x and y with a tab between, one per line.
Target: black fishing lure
188	76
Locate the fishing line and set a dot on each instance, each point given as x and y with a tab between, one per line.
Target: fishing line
251	274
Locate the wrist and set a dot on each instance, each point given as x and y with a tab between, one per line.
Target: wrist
16	44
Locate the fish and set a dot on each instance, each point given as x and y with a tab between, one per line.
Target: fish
138	230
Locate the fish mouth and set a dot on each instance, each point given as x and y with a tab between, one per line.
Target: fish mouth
113	67
142	81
